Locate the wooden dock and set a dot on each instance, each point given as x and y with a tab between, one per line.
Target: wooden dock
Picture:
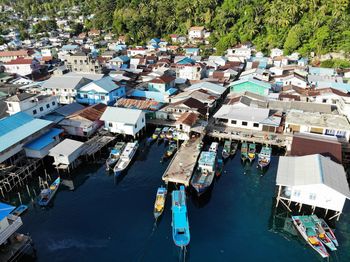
181	166
95	144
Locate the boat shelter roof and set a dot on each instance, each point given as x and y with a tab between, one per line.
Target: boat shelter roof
310	170
5	210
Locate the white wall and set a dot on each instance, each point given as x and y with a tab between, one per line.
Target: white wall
122	128
239	124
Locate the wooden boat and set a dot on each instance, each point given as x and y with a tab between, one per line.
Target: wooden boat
200	145
114	155
19	210
226	151
306	228
214	146
169	134
220	166
163	133
160	202
329	232
244	151
180	224
203	177
47	194
126	157
234	147
251	152
170	150
322	233
156	133
264	157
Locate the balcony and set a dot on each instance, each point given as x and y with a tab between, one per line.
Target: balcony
14	223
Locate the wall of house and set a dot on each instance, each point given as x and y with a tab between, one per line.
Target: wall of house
196	34
43	107
64	96
4	223
128	129
43	152
190	72
104	98
240	124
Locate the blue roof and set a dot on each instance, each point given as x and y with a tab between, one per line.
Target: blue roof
5	210
321	71
69	47
191	50
122	58
157	96
340	86
155	40
171	91
44	140
18	127
185	61
106	83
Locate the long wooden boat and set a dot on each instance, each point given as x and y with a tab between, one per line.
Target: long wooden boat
126	157
251	152
156	133
114	155
171	149
264	157
163	133
47	194
226	151
322	233
219	167
234	148
306	228
160	202
244	151
329	232
180	224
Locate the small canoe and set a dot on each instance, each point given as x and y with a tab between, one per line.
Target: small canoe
163	133
322	234
226	151
170	150
160	202
329	232
264	157
251	152
47	194
19	210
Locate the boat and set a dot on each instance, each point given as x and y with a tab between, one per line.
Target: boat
169	135
226	151
126	157
251	152
48	193
163	133
264	157
160	202
220	166
234	147
114	155
203	177
244	152
214	147
306	228
200	145
322	233
180	224
170	150
19	210
329	232
156	133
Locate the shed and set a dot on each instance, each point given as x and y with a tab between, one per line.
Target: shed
66	153
312	180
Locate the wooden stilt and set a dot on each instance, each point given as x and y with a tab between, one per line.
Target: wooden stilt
286	205
300	206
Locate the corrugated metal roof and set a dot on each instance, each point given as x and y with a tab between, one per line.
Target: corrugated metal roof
69	109
217	89
121	115
242	113
18	127
44	140
5	210
66	147
310	170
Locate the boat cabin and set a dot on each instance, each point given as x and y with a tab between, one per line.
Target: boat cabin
214	147
206	161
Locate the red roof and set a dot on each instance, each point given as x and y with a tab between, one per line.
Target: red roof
163	79
21	52
187	118
20	61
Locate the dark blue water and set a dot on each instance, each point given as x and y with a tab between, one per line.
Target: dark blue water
106	221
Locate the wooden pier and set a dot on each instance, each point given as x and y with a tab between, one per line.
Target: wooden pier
95	144
181	166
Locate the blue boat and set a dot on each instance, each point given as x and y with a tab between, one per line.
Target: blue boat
48	193
181	228
19	210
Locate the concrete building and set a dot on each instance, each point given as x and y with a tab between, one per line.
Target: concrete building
66	153
343	105
6	56
124	121
22	66
81	62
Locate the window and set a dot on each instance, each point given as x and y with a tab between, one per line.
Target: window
135	125
312	196
41	109
143	120
34	112
244	123
234	122
65	90
110	124
255	124
324	100
47	105
85	96
9	104
296	193
102	97
53	103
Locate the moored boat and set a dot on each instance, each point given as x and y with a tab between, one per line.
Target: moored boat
160	202
126	157
244	151
203	177
214	146
114	155
234	147
170	150
322	233
219	167
226	151
19	210
180	224
47	194
329	232
169	134
264	156
156	133
163	133
306	228
251	152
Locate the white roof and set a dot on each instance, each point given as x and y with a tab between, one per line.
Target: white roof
217	89
121	115
66	147
65	82
310	170
242	113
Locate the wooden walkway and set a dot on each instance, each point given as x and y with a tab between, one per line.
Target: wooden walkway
95	144
181	166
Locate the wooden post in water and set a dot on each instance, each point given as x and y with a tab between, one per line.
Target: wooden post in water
19	196
2	192
28	190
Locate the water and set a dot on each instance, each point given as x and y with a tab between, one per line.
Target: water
107	220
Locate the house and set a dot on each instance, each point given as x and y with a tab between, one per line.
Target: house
18	130
292	80
195	71
66	153
122	61
209	87
65	87
150	107
276	52
8	223
124	121
186	121
192	51
104	90
218	60
242	52
85	122
174	38
343	106
136	51
7	56
202	95
258	119
317	123
321	71
34	105
196	33
312	180
39	148
94	33
82	62
22	66
251	85
161	84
